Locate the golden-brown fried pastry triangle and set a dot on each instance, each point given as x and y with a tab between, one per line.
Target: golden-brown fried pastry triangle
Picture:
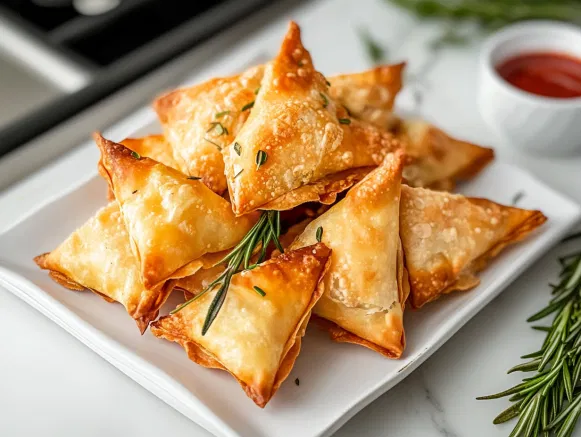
296	135
438	160
255	338
201	120
370	95
365	287
172	220
447	238
155	147
98	257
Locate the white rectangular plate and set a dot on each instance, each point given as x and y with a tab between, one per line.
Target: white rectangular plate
336	380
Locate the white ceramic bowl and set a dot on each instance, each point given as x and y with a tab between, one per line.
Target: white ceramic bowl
540	124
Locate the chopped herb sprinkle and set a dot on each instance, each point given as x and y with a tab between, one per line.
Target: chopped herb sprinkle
238	174
219	128
136	155
328	83
259	291
134	192
237	148
344	121
215	144
194	178
256	91
261	158
222	114
247	106
517	197
319	234
325	100
297	382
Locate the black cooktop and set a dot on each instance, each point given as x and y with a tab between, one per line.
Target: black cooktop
115	46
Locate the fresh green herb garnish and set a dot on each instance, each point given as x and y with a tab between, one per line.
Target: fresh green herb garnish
344	121
517	197
549	402
194	178
297	382
319	234
327	82
219	128
450	37
259	291
135	191
261	158
135	155
375	52
222	114
256	91
212	142
238	174
267	229
237	148
325	100
247	106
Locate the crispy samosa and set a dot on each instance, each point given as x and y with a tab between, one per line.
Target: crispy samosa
366	286
370	95
256	336
199	121
98	257
439	161
172	220
436	159
448	238
155	147
297	135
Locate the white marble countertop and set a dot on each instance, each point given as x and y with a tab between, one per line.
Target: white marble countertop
52	385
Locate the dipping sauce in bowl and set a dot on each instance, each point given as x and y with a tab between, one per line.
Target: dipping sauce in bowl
547	74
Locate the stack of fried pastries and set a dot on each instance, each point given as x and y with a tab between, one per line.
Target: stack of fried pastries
352	201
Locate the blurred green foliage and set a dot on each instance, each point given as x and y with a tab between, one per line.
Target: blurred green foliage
495	13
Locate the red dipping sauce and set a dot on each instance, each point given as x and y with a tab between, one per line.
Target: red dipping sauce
545	74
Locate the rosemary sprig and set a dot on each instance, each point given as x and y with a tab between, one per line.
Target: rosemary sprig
256	241
549	403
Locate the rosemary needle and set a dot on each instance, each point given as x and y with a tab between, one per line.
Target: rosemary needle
266	229
549	402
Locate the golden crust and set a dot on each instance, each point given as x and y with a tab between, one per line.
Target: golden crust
370	95
98	257
259	345
324	191
439	161
448	238
365	287
172	220
188	116
155	147
303	132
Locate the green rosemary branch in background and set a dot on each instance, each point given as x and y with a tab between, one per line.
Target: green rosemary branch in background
495	13
267	229
549	401
375	52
